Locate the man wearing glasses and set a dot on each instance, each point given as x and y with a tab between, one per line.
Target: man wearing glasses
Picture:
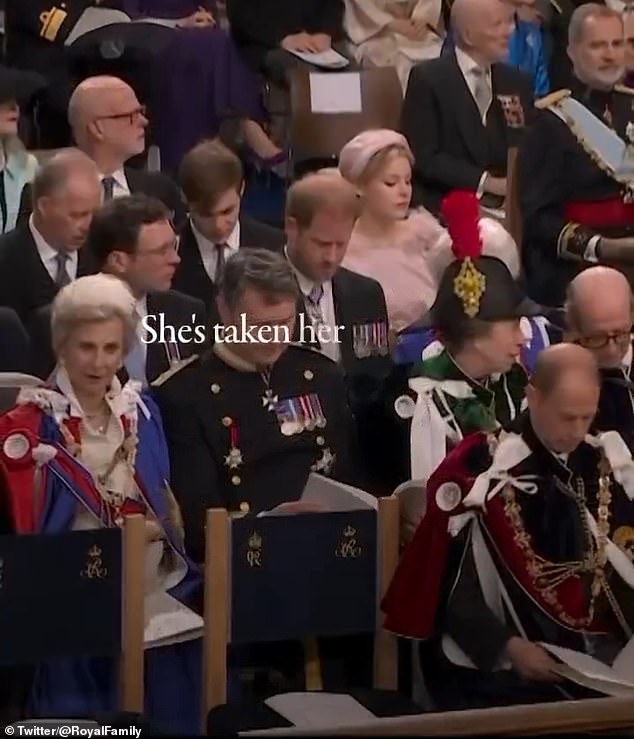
599	318
109	124
133	238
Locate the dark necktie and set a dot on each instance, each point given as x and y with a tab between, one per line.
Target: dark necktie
220	261
108	188
62	277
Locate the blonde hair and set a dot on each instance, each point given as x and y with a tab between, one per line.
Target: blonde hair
379	160
92	299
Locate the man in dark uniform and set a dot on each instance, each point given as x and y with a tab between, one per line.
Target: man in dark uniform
599	318
575	175
520	546
246	423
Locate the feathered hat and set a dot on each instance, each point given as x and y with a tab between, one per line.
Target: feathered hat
473	285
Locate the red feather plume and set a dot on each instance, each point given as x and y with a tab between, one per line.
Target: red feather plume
461	213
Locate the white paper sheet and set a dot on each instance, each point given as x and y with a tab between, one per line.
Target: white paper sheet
332	496
320	710
329	59
169	622
335	93
587	665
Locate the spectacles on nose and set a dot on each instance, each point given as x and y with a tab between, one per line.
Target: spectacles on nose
131	116
162	251
599	341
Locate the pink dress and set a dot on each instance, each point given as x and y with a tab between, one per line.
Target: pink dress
408	269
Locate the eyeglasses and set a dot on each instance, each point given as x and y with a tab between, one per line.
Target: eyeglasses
131	116
599	341
162	251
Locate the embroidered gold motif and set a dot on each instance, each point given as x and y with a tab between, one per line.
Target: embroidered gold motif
348	546
624	540
94	569
469	286
547	576
51	21
254	553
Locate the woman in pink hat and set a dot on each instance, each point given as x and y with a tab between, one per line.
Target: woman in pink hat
396	247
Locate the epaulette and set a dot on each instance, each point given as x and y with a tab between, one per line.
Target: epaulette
173	370
624	89
552	99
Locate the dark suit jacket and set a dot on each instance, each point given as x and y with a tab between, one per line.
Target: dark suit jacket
359	301
191	277
14	341
25	284
177	310
153	184
443	126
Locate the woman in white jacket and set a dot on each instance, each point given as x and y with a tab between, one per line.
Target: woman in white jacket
394	33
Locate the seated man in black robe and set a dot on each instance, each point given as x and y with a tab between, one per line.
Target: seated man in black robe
522	544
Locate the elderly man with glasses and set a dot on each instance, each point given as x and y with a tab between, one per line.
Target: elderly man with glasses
599	318
109	124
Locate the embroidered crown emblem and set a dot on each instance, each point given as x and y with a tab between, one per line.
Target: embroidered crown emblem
255	541
349	531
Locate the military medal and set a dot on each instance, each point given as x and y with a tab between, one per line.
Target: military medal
269	401
234	458
289	416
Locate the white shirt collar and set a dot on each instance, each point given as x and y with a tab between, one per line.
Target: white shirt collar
305	284
232	241
47	253
468	64
118	176
141	306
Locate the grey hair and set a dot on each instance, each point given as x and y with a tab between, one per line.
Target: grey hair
54	174
92	299
577	25
264	270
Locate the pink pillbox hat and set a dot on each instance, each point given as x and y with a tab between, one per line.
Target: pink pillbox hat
355	155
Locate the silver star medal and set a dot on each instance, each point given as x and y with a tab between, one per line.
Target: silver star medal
269	401
234	458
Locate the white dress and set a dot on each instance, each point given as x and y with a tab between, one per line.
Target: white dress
373	44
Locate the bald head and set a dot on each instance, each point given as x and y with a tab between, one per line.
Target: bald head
563	396
483	28
107	119
557	361
599	306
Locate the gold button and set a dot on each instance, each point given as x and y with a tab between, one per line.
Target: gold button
245	507
320	440
235	480
226	421
215	388
308	375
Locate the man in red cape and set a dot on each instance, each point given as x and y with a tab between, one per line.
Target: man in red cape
526	539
